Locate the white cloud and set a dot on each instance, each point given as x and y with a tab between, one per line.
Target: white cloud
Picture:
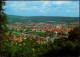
61	2
72	10
45	3
57	3
68	11
35	7
43	6
18	4
24	8
44	11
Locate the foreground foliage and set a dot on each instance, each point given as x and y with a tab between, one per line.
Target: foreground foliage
61	46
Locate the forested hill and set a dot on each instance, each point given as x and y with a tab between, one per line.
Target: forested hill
45	19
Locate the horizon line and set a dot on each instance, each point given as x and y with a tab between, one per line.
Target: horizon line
43	16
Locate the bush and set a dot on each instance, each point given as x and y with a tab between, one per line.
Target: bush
74	34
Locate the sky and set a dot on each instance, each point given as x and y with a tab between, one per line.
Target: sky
42	8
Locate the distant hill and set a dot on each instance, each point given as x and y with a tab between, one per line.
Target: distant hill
45	19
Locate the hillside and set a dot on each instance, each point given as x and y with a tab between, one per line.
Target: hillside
45	19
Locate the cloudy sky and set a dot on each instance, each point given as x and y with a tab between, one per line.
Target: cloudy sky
42	8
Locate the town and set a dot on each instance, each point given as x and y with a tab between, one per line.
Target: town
39	32
39	28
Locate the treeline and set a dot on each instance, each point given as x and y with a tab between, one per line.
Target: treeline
44	19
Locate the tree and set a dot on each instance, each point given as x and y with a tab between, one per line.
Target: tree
21	31
3	28
74	35
3	21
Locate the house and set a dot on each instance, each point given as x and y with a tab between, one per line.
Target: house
50	39
19	40
24	43
45	39
33	49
